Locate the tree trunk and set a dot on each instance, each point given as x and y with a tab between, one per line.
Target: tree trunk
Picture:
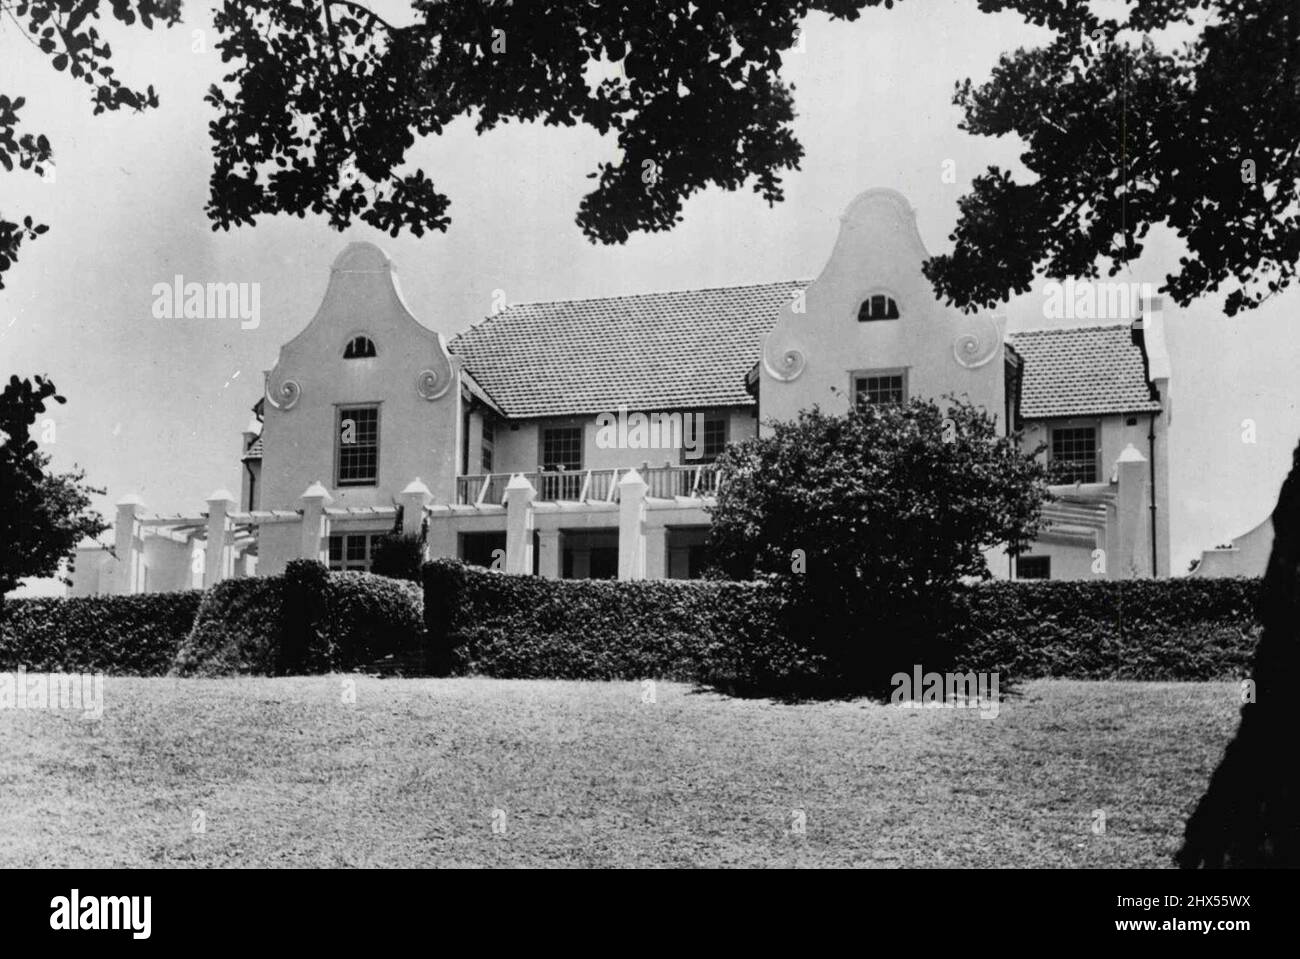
1250	815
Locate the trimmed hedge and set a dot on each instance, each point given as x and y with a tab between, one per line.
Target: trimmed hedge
134	635
734	635
490	623
307	621
1168	629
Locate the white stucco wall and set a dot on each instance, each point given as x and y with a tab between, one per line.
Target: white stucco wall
809	357
419	419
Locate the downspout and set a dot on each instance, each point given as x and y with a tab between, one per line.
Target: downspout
252	485
1151	462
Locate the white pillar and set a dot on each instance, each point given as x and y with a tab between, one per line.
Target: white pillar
126	544
220	505
656	552
548	554
631	537
413	500
1131	516
315	524
519	524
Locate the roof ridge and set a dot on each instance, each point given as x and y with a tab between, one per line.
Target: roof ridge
1069	329
623	296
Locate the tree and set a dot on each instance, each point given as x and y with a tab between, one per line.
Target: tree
43	515
871	520
64	30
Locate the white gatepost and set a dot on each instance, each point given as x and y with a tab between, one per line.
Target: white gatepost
631	533
1131	516
215	567
413	500
519	524
126	544
315	524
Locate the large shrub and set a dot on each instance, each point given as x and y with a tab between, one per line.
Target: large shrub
307	621
122	635
870	520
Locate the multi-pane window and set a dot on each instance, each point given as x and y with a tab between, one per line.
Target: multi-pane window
1033	567
489	439
562	448
877	388
713	441
357	446
878	307
353	551
359	348
1074	454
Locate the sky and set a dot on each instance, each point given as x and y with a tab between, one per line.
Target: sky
156	406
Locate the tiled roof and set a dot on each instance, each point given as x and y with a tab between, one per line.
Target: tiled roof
254	451
658	351
1081	371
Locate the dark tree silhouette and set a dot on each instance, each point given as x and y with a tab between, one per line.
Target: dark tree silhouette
43	515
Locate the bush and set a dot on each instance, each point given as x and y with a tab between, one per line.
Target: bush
307	621
236	631
120	635
373	620
398	556
748	638
870	521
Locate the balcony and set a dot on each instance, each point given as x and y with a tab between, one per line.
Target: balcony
581	486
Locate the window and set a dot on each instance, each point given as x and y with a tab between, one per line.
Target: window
489	438
1033	567
356	456
882	387
359	348
562	448
352	551
1074	454
878	307
711	436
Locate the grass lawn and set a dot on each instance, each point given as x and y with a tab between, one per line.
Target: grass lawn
417	772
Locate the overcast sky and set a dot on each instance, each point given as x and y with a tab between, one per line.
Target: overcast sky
156	407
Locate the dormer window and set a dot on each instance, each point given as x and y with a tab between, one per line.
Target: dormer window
359	348
878	306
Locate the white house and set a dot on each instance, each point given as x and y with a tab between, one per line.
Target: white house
576	438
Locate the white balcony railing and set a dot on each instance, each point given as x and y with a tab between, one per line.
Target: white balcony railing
581	486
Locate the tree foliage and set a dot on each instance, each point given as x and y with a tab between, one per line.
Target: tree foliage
43	515
893	497
66	32
1123	133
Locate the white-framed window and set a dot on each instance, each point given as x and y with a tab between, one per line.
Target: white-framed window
878	306
877	387
353	551
1074	454
562	448
359	348
356	446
